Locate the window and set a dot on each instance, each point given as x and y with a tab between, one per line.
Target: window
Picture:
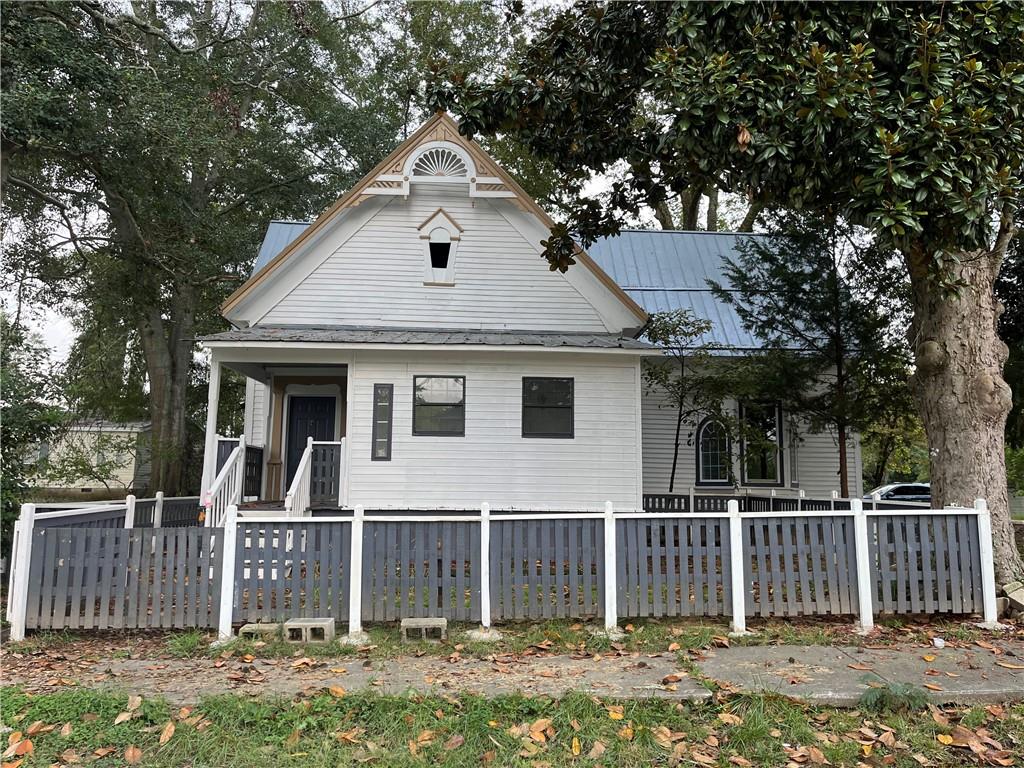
440	246
762	444
383	405
440	235
547	407
714	453
439	405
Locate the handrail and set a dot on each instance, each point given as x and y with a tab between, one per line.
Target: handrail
296	501
227	486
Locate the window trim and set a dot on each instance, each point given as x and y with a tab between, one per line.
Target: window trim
572	410
780	480
727	483
374	434
440	220
438	376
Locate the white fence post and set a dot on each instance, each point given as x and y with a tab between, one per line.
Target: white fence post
355	578
866	620
21	557
739	603
227	573
988	568
129	511
485	565
158	510
611	620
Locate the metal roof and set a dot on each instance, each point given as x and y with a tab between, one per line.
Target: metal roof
664	270
661	270
366	335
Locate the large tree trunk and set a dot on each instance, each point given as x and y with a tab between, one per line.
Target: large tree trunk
962	396
167	346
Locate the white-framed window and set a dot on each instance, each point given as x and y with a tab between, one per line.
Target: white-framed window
439	406
714	453
440	235
761	455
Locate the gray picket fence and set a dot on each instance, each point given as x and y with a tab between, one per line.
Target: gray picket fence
475	566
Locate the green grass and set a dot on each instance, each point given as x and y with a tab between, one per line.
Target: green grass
187	645
455	730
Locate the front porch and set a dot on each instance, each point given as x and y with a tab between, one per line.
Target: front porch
290	456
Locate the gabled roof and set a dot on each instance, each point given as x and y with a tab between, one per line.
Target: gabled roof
661	270
440	127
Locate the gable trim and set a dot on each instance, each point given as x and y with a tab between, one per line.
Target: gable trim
353	196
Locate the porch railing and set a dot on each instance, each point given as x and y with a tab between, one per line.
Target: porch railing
296	501
227	486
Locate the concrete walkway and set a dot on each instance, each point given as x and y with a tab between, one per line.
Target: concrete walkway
838	676
835	676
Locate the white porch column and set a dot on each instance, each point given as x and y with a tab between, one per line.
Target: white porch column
210	452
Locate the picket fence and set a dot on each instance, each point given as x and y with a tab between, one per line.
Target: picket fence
126	566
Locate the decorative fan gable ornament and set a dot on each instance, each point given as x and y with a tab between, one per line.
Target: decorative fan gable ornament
440	162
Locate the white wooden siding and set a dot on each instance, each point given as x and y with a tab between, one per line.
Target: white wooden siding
817	456
493	462
255	412
375	278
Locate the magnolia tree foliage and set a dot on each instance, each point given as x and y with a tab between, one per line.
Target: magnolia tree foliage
904	118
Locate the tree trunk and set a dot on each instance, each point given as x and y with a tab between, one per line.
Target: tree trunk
962	396
886	445
167	347
675	448
663	212
690	202
844	473
712	208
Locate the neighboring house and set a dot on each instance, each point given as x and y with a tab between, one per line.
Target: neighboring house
415	333
96	459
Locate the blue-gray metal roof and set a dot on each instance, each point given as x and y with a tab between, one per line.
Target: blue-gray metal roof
661	270
279	236
665	270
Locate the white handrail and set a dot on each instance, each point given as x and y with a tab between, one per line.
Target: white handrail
296	501
227	486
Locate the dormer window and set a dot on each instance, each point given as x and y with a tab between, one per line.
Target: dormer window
440	234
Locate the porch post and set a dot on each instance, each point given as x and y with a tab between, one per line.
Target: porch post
355	636
611	620
485	565
210	452
158	510
129	511
736	578
227	573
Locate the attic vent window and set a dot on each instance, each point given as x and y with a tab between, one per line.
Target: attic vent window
442	163
440	248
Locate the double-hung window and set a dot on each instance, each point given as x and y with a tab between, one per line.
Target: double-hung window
439	406
762	444
547	407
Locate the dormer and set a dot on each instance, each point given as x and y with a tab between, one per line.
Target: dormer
440	235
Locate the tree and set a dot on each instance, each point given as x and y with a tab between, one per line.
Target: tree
31	415
684	380
1010	290
160	137
828	353
906	119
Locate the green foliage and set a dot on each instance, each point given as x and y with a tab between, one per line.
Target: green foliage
187	645
30	415
1015	469
905	118
894	449
831	355
894	697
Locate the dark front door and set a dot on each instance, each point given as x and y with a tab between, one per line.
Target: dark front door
308	416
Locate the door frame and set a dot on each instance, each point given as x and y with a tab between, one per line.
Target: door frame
306	390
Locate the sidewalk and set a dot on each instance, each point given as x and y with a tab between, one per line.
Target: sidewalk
827	675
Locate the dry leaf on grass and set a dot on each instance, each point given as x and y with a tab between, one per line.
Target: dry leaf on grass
167	732
133	755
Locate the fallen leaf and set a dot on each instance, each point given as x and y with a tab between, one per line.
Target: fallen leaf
928	657
1008	665
336	691
860	667
597	750
674	647
455	741
933	687
351	736
70	757
134	702
65	730
132	755
104	751
293	738
168	732
576	746
730	719
615	711
625	733
944	738
740	761
124	717
13	763
488	756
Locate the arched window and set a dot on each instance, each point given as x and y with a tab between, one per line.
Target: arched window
440	235
714	453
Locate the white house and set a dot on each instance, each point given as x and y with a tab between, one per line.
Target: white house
411	349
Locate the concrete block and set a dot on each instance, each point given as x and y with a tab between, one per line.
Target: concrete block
1015	594
1002	606
319	630
431	629
268	631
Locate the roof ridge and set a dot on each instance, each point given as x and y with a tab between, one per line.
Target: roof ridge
730	232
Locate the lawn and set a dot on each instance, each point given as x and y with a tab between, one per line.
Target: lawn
331	728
